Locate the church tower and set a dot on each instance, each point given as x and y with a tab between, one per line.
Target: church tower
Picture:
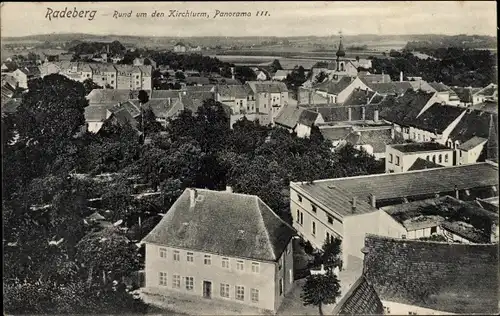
340	53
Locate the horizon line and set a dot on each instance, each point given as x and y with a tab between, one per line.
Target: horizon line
278	36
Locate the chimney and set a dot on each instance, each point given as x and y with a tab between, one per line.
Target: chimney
363	113
192	197
457	195
401	76
349	114
383	77
375	115
232	73
353	203
373	200
229	189
169	101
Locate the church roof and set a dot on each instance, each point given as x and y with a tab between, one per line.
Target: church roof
340	51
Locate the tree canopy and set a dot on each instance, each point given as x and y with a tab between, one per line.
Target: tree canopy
321	289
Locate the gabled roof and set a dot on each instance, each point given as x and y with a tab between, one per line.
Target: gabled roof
377	138
234	91
439	86
489	91
472	143
334	87
392	186
267	86
474	123
227	224
98	112
361	299
421	85
456	278
394	87
465	93
486	106
290	116
420	164
404	109
359	97
111	95
375	78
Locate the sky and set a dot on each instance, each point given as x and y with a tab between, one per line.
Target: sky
284	18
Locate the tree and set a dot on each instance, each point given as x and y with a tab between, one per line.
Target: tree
331	253
320	290
321	77
275	66
180	76
107	251
90	85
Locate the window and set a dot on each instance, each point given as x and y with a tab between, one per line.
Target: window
460	154
189	283
240	292
240	265
189	257
412	313
433	158
207	259
112	75
289	249
299	197
254	294
255	267
397	160
176	281
112	82
177	255
433	230
136	77
290	275
225	263
162	278
427	158
327	236
445	157
163	253
440	158
281	286
298	216
301	218
330	220
314	208
390	158
313	228
414	135
387	310
224	290
280	263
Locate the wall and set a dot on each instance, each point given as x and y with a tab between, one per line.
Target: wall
320	218
21	78
263	281
285	273
471	156
406	160
393	308
94	127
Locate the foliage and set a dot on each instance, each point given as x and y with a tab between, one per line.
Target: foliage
275	66
331	253
320	290
244	74
451	66
90	85
320	77
97	47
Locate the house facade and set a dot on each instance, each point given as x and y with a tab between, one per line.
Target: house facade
401	157
246	260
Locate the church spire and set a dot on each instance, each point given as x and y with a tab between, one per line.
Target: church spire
340	50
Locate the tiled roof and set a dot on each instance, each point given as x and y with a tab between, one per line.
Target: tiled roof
164	94
455	278
358	97
422	85
97	113
418	147
464	219
486	106
474	123
123	116
439	86
204	88
111	95
395	87
404	109
336	133
290	116
377	138
198	80
473	143
11	105
488	91
465	93
235	91
437	118
267	86
375	78
361	299
334	87
228	224
389	186
420	164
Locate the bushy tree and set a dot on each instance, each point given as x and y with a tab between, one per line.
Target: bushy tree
321	289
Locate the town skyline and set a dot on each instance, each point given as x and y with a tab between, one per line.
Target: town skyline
287	19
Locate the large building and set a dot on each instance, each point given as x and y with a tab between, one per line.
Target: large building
432	278
221	246
348	208
107	75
